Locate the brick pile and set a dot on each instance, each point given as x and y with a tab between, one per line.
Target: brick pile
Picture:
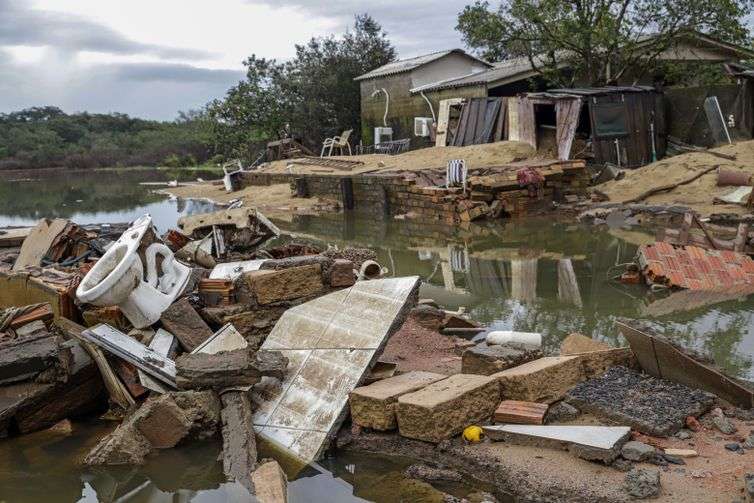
694	268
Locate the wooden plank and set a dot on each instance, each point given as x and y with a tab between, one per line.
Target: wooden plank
165	344
518	412
39	241
568	285
43	312
461	127
739	243
683	236
443	120
123	346
10	238
117	390
661	359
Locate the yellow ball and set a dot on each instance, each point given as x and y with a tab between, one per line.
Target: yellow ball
472	434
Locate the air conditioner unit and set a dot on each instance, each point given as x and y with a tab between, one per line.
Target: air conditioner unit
382	134
422	125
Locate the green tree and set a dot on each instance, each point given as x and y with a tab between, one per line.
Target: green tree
312	96
599	41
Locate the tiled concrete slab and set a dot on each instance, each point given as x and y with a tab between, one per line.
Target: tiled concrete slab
331	343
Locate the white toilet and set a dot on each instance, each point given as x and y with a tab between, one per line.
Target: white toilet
117	279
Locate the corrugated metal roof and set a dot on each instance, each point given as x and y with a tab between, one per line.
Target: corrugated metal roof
509	70
406	65
590	91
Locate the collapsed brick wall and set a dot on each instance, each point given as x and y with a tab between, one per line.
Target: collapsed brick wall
391	195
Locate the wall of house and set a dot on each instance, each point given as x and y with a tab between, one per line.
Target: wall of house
403	106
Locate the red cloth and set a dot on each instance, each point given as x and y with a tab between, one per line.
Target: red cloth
529	176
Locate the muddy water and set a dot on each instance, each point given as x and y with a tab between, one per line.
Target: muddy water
505	275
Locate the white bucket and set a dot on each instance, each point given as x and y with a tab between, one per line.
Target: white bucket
509	337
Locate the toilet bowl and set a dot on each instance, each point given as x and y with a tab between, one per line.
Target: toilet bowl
117	279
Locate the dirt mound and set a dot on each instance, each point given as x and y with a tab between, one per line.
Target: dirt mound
698	194
476	156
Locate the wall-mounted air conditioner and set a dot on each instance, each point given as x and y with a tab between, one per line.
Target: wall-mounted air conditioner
422	125
382	134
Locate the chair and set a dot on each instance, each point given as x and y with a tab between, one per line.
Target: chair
340	142
456	174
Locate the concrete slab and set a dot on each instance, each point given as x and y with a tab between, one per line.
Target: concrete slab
374	406
331	343
601	443
545	380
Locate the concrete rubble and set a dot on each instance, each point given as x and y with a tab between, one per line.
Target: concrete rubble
287	345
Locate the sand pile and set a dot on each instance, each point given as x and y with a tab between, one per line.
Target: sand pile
698	194
476	156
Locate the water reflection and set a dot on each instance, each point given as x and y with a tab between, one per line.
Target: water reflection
544	276
93	196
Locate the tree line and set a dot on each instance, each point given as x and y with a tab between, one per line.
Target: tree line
314	95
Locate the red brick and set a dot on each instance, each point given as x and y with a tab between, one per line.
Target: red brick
649	253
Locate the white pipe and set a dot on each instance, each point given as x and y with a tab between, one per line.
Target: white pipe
501	337
431	109
387	103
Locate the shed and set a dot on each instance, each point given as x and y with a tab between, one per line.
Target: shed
624	126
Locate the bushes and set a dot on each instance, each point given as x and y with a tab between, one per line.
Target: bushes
47	137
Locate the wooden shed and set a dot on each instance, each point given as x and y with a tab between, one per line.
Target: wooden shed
624	126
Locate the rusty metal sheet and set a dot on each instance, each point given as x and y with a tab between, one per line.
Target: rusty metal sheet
331	343
661	359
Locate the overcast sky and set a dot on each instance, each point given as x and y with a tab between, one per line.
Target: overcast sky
151	58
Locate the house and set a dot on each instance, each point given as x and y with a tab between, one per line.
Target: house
416	86
386	97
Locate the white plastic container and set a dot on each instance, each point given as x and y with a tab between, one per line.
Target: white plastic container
501	337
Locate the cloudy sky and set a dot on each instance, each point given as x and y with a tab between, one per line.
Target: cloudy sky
151	58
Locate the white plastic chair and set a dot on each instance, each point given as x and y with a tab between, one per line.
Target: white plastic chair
340	142
456	174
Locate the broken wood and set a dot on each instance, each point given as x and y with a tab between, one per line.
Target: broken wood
239	367
239	444
182	320
670	186
518	412
118	392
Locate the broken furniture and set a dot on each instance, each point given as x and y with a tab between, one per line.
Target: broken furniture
286	148
117	279
339	142
331	343
52	242
482	120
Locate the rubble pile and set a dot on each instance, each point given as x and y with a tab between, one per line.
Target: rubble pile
214	330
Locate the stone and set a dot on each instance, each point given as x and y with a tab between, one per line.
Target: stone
642	483
239	444
270	483
577	343
561	412
430	474
341	273
622	465
182	320
749	442
749	487
269	286
596	443
637	451
128	445
62	427
374	406
734	447
681	453
164	424
239	367
25	357
428	316
676	460
724	425
485	359
647	404
545	380
684	434
443	409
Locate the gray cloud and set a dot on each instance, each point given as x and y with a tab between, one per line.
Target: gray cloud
417	27
21	25
148	90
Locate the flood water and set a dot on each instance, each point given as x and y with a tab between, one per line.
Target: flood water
506	275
